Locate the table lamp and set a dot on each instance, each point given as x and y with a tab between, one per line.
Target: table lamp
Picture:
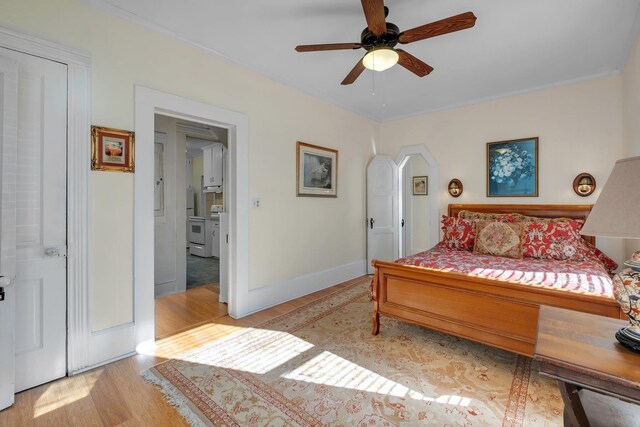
617	214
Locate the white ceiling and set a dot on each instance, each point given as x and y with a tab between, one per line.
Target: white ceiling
515	46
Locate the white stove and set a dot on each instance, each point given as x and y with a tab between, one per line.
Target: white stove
204	236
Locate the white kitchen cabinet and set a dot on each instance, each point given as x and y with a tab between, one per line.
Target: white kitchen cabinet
214	167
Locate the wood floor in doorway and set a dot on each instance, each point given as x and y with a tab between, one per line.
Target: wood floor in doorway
180	312
116	394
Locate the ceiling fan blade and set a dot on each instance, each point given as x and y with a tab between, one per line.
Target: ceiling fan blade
354	73
438	28
374	13
413	64
327	46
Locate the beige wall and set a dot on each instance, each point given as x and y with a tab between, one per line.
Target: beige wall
631	103
288	236
111	249
579	126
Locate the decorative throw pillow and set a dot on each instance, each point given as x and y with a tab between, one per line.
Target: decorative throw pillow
457	233
554	240
498	239
485	216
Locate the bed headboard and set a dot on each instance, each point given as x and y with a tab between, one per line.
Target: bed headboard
543	211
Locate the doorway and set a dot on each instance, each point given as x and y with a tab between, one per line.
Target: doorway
188	251
420	205
206	158
414	206
150	102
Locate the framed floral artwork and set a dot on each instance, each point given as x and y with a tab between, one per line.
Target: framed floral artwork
512	168
420	185
316	170
112	149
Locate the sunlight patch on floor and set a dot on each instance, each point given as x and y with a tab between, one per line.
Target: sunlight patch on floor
59	394
182	342
332	370
255	350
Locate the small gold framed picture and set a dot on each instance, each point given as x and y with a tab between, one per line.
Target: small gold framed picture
112	149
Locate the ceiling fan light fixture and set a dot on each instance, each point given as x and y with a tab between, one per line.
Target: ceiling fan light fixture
380	59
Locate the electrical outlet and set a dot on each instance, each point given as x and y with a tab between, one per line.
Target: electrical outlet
255	202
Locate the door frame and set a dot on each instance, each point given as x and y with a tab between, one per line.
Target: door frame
148	103
78	185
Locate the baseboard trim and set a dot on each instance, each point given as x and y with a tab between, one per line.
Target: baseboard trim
164	289
271	295
97	365
110	344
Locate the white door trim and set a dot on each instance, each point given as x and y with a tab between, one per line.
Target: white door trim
78	156
434	185
149	102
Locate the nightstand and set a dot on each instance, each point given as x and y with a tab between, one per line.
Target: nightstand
580	351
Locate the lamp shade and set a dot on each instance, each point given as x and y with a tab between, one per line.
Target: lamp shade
380	59
617	210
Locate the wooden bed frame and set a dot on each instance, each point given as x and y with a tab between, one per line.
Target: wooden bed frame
496	313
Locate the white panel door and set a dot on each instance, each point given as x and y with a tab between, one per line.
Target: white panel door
382	210
158	168
224	258
41	243
8	170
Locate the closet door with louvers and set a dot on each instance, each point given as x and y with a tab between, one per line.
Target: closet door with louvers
39	287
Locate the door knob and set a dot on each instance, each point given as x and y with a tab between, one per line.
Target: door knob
52	252
371	221
4	282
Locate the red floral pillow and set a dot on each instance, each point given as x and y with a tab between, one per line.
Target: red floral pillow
554	240
458	233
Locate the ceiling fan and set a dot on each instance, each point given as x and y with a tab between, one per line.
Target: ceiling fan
380	38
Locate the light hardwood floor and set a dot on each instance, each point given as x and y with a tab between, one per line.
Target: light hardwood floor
116	394
183	311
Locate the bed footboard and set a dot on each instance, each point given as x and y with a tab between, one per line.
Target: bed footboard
496	313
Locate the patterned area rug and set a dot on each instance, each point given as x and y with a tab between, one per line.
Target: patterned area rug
320	365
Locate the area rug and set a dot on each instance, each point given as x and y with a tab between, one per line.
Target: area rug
320	366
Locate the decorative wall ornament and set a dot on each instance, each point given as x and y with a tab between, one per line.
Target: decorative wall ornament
112	149
512	168
455	187
584	185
